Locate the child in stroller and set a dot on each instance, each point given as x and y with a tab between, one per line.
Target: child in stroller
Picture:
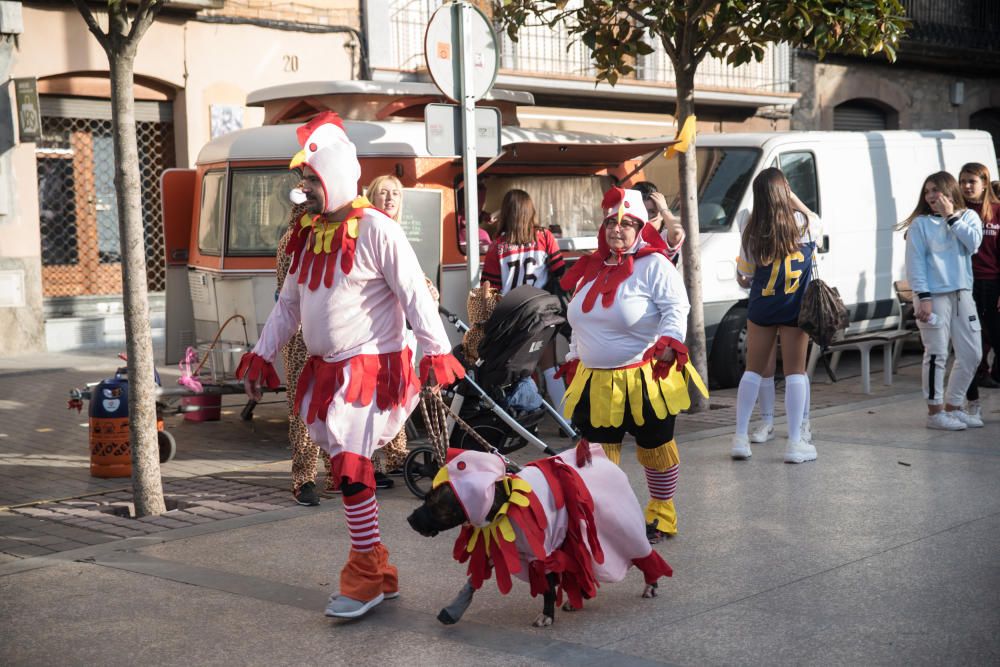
498	399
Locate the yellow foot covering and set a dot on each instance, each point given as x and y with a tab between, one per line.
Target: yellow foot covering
662	515
614	453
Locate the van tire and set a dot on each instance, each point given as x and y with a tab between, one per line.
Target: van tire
728	358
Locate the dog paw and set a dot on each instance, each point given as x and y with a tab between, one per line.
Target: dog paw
542	621
568	607
649	591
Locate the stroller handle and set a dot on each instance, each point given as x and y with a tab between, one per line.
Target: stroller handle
453	319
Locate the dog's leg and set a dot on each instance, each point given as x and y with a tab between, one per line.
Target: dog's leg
649	591
548	615
453	613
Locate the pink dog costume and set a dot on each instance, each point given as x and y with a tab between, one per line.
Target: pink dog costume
581	522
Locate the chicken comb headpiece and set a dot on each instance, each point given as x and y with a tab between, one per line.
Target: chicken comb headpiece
330	153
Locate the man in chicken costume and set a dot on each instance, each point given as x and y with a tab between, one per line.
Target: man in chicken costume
627	366
353	284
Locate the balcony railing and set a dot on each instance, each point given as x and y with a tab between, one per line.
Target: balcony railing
957	24
548	52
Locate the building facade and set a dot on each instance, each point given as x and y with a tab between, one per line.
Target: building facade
60	275
59	264
947	76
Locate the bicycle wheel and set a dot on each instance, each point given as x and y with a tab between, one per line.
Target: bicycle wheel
419	469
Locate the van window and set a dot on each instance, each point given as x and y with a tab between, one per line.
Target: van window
800	170
213	211
259	210
723	177
569	205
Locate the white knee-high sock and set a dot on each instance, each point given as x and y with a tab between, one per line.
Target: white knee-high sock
765	400
746	397
809	394
554	387
796	390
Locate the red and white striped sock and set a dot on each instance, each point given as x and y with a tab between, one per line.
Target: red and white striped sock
361	511
662	484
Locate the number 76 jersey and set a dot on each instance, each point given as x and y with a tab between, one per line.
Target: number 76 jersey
507	265
776	289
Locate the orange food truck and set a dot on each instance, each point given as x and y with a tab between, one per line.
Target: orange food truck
222	219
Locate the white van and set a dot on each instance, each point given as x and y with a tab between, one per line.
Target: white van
861	184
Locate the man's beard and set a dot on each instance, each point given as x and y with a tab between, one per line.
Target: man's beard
313	206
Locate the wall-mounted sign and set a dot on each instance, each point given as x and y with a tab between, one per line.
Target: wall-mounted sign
29	114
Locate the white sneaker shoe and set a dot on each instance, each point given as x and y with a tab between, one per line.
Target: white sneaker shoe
762	433
341	606
799	452
969	418
805	432
944	421
741	447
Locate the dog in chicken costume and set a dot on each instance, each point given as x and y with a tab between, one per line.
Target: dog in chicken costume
627	366
354	283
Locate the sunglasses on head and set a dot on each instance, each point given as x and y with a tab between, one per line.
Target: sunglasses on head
626	223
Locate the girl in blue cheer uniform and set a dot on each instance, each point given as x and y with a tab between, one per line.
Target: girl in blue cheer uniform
776	260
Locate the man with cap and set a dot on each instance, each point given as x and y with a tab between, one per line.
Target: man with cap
353	284
627	366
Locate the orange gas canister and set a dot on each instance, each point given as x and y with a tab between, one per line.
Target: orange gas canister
110	451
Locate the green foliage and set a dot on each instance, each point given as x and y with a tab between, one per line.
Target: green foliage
737	31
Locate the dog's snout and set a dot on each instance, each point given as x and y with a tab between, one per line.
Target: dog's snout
419	521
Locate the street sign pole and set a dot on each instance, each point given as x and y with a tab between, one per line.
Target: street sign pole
462	58
463	22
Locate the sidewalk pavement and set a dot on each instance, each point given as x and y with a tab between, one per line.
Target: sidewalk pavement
884	551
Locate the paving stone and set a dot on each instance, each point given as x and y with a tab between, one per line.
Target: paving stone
65	546
27	550
169	523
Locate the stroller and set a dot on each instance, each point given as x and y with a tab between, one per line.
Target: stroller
497	399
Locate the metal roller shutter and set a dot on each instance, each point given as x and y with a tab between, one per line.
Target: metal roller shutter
858	118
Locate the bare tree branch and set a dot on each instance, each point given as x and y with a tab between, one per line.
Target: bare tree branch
88	18
711	37
639	18
144	15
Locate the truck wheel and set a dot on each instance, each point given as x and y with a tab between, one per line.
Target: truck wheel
728	359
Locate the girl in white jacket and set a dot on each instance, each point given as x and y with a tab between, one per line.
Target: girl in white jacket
941	237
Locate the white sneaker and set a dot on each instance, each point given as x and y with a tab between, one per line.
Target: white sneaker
799	452
944	421
762	433
971	418
741	447
341	606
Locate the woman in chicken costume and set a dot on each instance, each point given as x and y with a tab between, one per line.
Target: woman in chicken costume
627	366
353	284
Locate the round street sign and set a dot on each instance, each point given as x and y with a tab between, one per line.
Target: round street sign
444	38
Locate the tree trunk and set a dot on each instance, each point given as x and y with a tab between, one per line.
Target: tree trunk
147	487
688	166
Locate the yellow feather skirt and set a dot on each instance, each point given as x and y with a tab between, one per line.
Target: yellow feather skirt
609	388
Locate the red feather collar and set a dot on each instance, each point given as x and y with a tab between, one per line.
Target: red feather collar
316	242
608	277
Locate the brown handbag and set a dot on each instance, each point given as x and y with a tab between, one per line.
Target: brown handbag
823	314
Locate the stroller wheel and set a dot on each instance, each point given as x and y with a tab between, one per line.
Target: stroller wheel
419	469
